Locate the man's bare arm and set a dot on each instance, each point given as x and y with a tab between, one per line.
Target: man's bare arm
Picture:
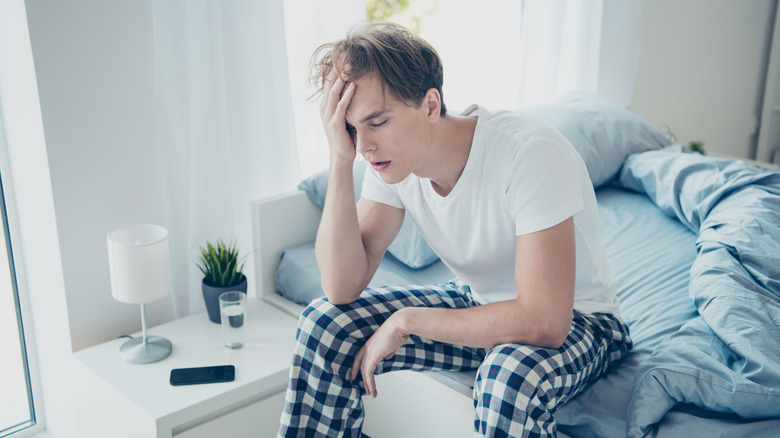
352	240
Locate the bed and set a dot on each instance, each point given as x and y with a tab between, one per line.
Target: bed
694	245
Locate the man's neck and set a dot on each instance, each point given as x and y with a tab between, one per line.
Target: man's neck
449	152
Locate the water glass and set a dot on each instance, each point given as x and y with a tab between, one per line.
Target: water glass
232	309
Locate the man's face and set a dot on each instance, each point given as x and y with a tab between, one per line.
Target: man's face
391	136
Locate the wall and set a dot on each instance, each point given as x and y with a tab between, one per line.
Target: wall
94	61
702	70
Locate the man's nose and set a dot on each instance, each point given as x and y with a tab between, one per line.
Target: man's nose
364	143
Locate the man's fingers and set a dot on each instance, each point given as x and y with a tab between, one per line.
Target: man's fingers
331	75
346	98
368	378
331	90
327	84
334	94
367	369
358	363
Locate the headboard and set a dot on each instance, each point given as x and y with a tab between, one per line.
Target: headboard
280	222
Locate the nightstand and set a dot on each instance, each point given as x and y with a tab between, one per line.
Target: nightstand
137	400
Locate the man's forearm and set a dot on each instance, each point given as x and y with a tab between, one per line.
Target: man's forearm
486	326
341	255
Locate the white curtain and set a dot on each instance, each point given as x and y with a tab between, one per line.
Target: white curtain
577	45
309	24
224	126
506	54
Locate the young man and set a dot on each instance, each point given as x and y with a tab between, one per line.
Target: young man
507	204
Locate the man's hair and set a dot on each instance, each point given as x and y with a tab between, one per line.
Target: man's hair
406	65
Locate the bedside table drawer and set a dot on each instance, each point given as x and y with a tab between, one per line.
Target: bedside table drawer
258	420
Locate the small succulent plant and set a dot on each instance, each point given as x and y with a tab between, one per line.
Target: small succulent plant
219	264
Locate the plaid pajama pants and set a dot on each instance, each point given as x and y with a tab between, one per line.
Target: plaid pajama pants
517	388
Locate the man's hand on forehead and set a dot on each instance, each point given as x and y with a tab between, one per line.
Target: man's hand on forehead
346	85
336	98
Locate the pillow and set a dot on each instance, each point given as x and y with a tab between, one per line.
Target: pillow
409	246
603	133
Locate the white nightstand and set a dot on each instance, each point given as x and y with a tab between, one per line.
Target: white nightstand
137	400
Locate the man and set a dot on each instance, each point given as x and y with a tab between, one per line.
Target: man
507	204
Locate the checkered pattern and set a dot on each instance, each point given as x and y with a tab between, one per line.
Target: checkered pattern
517	388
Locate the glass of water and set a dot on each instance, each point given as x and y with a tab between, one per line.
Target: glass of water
232	307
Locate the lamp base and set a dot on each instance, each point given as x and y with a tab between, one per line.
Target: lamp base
156	349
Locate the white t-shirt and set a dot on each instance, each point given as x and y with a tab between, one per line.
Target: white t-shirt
521	176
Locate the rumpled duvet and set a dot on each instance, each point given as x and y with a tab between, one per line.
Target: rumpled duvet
727	359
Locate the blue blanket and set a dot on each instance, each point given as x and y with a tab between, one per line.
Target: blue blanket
726	359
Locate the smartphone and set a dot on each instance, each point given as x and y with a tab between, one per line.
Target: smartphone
195	376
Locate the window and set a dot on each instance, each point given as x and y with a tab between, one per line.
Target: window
16	403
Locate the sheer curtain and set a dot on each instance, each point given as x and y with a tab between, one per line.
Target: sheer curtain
573	45
506	54
309	24
224	126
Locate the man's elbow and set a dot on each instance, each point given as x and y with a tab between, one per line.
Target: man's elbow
337	296
339	301
555	334
336	302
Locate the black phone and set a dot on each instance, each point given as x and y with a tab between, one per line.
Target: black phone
198	375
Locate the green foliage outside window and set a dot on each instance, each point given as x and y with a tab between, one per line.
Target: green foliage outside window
385	9
408	13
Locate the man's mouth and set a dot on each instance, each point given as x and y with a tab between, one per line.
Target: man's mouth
380	165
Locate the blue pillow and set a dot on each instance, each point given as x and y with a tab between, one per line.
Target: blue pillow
602	132
409	246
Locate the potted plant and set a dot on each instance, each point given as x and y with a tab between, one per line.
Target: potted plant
221	273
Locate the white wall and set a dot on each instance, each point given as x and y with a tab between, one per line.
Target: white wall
94	61
702	70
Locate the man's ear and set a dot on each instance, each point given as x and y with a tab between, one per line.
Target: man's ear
432	102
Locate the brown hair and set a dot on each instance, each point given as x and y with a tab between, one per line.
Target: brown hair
406	65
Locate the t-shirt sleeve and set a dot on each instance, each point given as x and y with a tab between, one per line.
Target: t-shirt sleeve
544	187
377	190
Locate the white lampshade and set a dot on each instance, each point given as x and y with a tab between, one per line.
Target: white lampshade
139	263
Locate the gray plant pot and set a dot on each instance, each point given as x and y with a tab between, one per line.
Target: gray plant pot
211	297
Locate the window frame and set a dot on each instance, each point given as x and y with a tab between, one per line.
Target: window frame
17	272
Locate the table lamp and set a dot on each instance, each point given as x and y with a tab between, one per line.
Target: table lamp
140	273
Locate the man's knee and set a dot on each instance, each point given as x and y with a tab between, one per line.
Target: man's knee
516	364
318	318
328	335
517	373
